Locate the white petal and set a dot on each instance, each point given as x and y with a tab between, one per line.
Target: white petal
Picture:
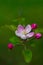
23	37
28	28
17	33
20	28
30	35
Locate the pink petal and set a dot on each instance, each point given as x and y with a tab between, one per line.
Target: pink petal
28	28
18	33
23	37
20	28
30	35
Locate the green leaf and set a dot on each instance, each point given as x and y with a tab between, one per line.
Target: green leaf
33	45
11	27
39	30
27	55
15	20
23	19
15	40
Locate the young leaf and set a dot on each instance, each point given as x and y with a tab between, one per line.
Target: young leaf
39	30
11	27
15	20
27	55
23	19
15	40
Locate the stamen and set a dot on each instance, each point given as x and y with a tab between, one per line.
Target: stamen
24	32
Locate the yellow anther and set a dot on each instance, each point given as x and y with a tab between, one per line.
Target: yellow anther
24	32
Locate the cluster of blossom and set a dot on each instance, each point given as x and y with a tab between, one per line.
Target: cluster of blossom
26	33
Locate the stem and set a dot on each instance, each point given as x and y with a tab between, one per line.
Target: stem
31	39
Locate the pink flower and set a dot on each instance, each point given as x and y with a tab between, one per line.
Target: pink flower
38	35
10	45
24	33
34	26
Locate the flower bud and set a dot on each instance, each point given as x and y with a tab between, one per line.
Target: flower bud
38	35
34	26
10	45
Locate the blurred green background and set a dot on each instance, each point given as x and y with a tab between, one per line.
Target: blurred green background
32	11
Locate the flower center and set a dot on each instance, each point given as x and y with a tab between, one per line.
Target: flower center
24	32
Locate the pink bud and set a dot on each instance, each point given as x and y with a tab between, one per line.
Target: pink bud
10	45
38	35
34	26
